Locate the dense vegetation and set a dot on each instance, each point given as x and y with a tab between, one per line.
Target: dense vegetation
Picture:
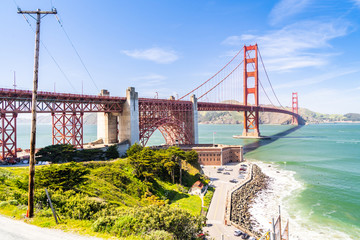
62	153
138	197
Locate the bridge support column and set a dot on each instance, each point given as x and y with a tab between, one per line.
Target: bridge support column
107	124
251	118
8	135
195	117
129	118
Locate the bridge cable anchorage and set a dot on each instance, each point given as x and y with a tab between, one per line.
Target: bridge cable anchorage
222	79
269	79
262	87
52	57
213	75
77	53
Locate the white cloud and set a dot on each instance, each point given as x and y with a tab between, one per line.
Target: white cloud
155	54
357	2
287	8
297	45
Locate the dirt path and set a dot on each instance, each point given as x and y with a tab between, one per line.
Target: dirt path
17	230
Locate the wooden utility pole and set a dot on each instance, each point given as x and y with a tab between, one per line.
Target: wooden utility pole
38	13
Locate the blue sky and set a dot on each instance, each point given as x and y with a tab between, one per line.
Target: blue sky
170	47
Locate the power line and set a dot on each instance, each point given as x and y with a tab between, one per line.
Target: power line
52	57
269	79
77	53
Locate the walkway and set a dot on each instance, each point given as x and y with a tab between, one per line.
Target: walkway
216	213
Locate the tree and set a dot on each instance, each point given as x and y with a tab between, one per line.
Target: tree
144	164
112	152
191	156
61	176
56	153
134	149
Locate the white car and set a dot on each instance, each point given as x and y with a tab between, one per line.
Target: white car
238	233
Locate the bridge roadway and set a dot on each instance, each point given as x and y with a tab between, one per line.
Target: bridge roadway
19	101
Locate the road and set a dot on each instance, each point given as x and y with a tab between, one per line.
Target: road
216	213
17	230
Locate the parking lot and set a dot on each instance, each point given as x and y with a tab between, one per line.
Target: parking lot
221	181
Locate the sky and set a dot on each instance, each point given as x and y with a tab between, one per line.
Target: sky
170	47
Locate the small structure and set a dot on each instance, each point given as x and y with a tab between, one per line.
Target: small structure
197	188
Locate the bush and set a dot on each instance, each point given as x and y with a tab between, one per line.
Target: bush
159	235
142	220
56	153
134	149
112	152
62	176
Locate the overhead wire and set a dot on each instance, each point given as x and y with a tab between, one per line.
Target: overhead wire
76	51
269	79
52	57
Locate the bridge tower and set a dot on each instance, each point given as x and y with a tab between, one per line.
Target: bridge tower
295	108
251	79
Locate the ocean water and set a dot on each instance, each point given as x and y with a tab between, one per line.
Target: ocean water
315	172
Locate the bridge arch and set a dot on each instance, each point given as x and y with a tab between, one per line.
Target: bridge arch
173	130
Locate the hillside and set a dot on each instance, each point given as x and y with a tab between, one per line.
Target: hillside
307	115
124	198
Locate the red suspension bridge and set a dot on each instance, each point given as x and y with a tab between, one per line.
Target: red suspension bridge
136	119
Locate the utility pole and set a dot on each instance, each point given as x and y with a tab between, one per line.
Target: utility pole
38	13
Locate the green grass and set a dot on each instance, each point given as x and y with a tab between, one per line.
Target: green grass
105	182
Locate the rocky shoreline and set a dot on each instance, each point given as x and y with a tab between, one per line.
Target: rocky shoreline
242	198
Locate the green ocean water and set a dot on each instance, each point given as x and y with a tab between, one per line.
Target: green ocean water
324	157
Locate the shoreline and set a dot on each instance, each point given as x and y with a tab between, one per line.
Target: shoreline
282	190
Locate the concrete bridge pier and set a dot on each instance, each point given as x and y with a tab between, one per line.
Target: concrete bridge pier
193	99
107	124
129	118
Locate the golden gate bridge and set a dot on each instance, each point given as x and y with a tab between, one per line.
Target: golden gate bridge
135	119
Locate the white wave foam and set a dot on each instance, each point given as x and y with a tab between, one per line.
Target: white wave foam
283	187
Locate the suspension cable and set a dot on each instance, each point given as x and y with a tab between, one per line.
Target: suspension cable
269	79
77	53
213	75
253	65
222	80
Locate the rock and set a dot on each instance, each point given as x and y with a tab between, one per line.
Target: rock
242	198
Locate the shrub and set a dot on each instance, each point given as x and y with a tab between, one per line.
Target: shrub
134	149
159	235
56	153
62	176
112	152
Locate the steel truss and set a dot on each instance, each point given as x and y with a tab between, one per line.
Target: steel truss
8	135
174	119
67	114
67	128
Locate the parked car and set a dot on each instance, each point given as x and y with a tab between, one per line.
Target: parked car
226	173
228	169
201	236
243	169
245	236
243	165
238	233
241	176
220	169
233	181
252	238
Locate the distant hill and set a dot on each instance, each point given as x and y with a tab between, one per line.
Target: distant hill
227	117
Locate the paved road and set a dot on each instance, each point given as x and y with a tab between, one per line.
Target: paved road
17	230
216	212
